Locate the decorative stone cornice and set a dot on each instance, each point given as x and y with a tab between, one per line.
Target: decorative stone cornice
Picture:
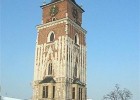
60	21
49	24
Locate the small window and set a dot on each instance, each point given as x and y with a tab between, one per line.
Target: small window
43	95
53	91
51	37
45	92
53	19
76	39
50	69
73	93
80	93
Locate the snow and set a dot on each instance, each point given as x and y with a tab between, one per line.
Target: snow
8	98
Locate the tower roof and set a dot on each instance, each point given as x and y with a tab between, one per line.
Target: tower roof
77	81
48	80
53	1
60	0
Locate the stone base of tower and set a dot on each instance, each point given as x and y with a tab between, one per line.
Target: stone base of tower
59	91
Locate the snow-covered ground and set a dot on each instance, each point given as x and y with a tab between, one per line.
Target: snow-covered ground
89	99
8	98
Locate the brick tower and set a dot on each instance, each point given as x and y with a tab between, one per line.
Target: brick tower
60	56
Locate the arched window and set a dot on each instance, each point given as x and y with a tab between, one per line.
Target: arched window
51	36
53	19
76	39
50	69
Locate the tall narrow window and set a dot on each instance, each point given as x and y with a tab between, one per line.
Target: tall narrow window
73	93
51	37
50	69
81	94
76	39
69	55
53	91
45	92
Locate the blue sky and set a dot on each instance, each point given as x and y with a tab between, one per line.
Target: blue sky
113	46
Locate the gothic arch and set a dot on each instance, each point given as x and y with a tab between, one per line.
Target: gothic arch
51	37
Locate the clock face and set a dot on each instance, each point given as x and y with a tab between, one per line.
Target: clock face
53	10
75	13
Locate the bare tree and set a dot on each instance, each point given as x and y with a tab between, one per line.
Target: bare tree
118	94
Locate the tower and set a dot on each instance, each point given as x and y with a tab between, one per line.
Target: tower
60	55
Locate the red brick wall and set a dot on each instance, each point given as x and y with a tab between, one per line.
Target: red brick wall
59	30
62	6
65	6
73	31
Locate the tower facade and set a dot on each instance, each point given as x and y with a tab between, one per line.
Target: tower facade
60	56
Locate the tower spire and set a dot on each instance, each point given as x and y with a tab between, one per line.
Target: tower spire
44	2
54	0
